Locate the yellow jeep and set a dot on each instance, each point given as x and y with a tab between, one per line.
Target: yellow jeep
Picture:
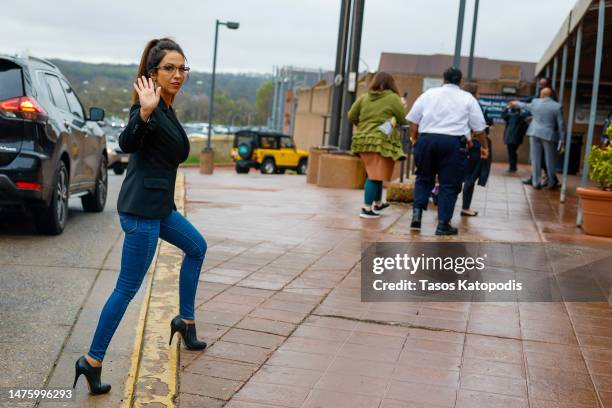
269	152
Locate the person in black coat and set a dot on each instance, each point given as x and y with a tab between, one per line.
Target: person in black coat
514	133
478	166
158	144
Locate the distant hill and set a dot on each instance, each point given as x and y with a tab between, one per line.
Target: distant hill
122	76
109	86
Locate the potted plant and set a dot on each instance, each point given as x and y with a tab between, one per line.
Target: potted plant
597	201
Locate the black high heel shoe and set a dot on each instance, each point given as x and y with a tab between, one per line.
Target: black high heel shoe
188	332
92	374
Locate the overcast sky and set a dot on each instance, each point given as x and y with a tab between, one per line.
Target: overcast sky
273	32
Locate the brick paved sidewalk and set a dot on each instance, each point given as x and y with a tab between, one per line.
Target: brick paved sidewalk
279	304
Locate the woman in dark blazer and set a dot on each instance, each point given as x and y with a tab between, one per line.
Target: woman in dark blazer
158	144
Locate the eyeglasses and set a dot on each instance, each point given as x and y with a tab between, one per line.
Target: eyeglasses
170	69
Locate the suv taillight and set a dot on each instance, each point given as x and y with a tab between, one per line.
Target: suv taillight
23	107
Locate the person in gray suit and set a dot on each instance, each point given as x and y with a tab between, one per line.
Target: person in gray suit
546	132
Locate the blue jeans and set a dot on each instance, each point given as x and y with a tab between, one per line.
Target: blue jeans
139	245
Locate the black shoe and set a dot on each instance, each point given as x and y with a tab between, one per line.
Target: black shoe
468	213
527	182
511	171
417	214
444	228
368	214
379	208
188	332
92	374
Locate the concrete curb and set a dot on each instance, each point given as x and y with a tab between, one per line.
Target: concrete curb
152	380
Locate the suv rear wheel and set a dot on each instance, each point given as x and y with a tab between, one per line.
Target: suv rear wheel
51	220
268	166
95	201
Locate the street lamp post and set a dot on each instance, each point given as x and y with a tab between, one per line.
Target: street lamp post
474	25
207	155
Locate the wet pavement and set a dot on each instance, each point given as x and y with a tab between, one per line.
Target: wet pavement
279	302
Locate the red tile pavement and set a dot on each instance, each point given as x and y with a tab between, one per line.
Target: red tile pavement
279	302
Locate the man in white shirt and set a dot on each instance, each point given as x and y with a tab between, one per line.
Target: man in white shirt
444	119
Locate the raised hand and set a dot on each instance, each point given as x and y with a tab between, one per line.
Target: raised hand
147	95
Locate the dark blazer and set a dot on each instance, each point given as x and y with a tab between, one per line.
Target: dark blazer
516	125
157	147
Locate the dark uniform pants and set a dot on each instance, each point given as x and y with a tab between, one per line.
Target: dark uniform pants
443	156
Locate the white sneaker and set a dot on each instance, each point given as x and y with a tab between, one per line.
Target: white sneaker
368	214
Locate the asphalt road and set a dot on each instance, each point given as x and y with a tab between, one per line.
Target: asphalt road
52	289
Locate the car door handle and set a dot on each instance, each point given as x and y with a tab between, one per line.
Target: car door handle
67	124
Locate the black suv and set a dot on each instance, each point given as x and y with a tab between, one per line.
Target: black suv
49	149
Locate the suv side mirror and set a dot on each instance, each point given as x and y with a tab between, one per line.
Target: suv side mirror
96	114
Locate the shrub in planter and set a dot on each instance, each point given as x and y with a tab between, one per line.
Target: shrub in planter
597	202
600	167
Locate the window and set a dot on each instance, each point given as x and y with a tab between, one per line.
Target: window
243	138
268	142
75	105
11	85
57	93
286	142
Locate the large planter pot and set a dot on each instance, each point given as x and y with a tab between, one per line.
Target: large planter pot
596	211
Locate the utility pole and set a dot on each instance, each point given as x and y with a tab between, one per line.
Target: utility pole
459	37
211	102
207	154
472	43
340	69
350	85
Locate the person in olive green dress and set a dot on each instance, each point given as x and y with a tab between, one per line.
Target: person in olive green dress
377	115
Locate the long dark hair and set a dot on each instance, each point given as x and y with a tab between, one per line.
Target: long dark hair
154	52
383	81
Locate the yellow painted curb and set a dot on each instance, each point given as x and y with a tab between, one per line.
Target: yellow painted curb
152	380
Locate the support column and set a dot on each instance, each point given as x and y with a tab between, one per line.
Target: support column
594	96
350	85
340	69
572	109
472	43
554	73
563	74
459	36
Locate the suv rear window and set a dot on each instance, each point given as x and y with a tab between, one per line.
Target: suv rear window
73	101
57	92
11	81
243	138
